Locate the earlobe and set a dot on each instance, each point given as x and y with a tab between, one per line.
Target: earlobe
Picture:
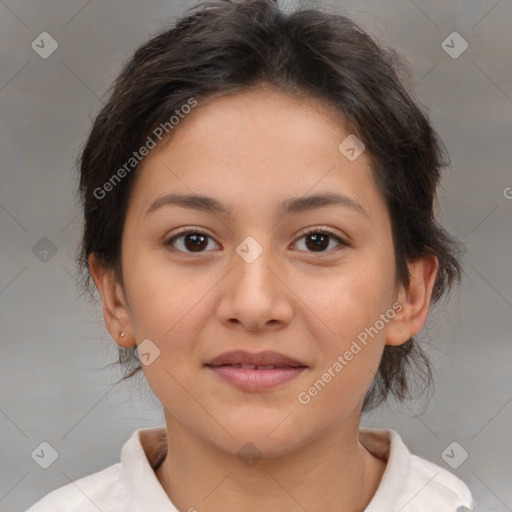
115	310
415	300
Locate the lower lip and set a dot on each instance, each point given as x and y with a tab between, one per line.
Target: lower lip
256	380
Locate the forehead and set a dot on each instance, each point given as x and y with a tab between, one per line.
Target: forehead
256	148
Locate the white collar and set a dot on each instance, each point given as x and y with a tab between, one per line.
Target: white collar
409	483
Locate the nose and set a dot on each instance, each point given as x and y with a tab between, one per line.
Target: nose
255	295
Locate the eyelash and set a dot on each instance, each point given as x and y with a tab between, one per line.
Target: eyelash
322	231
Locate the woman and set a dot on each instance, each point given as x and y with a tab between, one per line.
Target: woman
258	197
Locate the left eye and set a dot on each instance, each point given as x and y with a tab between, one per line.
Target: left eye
197	241
319	237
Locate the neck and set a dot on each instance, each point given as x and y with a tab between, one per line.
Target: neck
203	477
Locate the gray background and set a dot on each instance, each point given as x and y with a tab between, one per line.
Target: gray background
54	386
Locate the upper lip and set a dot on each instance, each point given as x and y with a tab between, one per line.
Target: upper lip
265	358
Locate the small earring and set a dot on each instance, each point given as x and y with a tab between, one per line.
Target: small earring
122	334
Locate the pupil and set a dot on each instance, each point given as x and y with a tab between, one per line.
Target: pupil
316	241
197	241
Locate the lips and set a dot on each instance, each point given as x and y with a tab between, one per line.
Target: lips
261	372
267	360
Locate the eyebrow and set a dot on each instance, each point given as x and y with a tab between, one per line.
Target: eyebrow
289	206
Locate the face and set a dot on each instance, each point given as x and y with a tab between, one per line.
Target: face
304	282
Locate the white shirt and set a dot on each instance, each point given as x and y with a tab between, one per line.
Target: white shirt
409	483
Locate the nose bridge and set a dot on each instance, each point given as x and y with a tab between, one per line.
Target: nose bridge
252	262
253	295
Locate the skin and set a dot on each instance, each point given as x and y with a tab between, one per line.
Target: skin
251	151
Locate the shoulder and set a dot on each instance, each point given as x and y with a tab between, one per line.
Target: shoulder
430	485
99	491
129	485
442	487
411	483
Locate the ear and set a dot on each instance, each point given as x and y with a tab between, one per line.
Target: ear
115	309
415	301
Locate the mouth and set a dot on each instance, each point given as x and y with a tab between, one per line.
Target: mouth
255	372
255	367
256	378
261	360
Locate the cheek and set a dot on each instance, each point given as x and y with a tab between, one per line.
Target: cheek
352	297
354	305
161	295
351	340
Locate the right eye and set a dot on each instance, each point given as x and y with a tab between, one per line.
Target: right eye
193	241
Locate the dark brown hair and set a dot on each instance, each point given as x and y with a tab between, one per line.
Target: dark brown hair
223	47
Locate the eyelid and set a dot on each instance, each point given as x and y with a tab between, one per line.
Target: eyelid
326	230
